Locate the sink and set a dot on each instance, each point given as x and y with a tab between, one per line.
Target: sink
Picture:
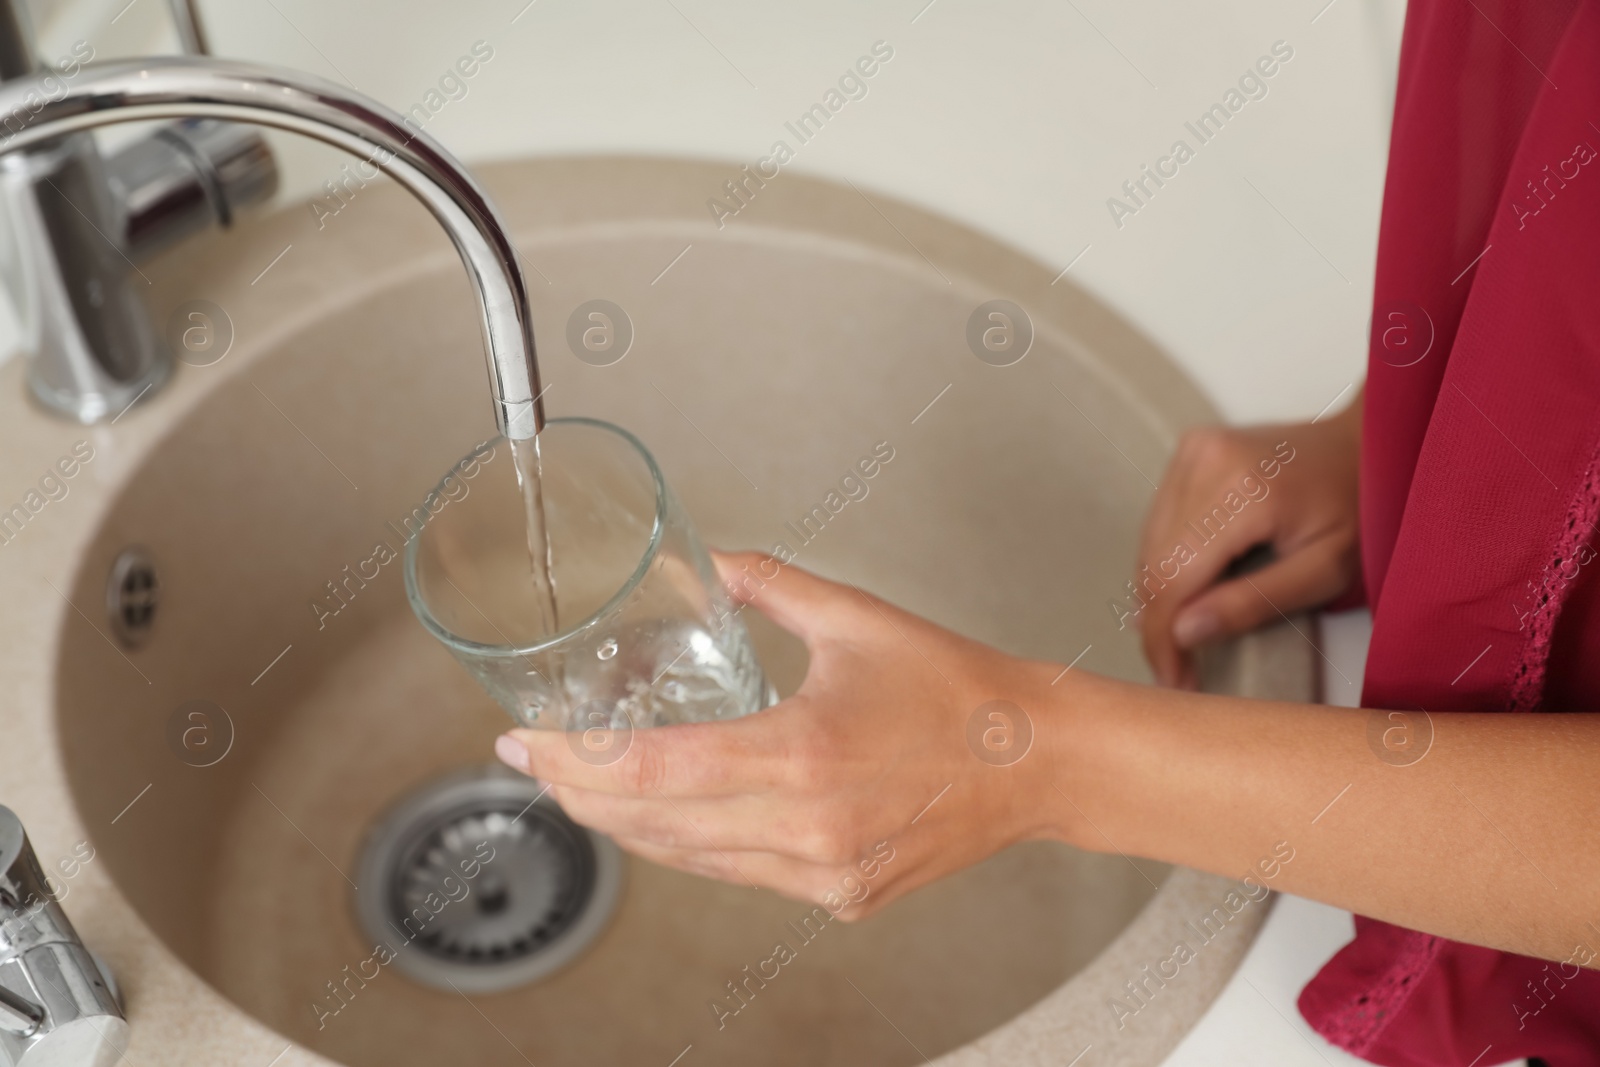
766	358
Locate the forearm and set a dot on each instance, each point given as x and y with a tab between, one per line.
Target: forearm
1489	838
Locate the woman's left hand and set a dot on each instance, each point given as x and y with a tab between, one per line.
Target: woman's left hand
859	788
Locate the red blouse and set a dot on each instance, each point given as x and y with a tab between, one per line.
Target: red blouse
1481	483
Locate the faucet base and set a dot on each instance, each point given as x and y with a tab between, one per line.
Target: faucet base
104	405
85	325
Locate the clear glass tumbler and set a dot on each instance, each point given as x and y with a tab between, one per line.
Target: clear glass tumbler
646	633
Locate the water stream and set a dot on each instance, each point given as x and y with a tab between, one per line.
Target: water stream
525	457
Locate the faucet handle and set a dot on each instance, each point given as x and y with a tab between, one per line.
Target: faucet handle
19	1016
78	1021
185	177
57	1008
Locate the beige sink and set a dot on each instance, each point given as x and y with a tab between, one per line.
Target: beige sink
767	358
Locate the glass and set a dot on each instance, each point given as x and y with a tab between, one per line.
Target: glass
647	633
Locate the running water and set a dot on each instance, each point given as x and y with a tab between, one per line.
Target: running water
525	457
663	671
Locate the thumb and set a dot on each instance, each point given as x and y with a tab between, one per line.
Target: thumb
1309	577
795	599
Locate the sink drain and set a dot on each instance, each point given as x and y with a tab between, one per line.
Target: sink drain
132	594
479	883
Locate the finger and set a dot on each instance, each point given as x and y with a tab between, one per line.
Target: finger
795	599
1200	467
679	760
816	609
705	863
1161	520
745	824
1194	565
809	882
1310	577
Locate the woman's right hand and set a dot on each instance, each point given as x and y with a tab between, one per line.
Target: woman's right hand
1226	491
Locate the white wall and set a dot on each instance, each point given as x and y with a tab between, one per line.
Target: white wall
1253	266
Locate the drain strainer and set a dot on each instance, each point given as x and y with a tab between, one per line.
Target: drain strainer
132	594
478	883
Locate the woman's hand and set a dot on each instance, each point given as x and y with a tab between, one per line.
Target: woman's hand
859	788
864	785
1225	492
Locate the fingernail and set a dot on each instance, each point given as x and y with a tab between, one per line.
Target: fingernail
511	752
1195	628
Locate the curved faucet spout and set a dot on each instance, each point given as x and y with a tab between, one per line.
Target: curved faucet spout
36	110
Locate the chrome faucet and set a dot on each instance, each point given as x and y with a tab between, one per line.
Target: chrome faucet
203	88
56	1007
80	222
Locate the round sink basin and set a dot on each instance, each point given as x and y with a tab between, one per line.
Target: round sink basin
280	698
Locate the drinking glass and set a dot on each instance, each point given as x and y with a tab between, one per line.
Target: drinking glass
646	634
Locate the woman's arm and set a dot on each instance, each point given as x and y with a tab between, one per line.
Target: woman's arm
895	745
1489	838
888	750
